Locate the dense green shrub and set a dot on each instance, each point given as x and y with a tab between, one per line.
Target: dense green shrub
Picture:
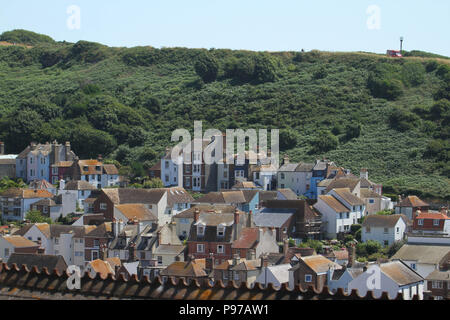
206	67
20	36
324	142
403	120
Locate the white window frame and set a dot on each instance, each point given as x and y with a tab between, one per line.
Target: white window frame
308	276
220	249
200	248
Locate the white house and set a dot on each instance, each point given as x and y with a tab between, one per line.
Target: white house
341	278
172	170
386	229
277	275
340	209
392	277
16	244
67	241
295	176
422	258
15	203
265	176
81	189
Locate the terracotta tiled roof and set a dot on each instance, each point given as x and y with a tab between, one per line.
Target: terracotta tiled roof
206	208
247	240
101	267
194	268
113	262
223	197
333	203
319	264
366	193
63	164
124	196
26	193
245	185
432	215
136	211
33	284
412	201
20	242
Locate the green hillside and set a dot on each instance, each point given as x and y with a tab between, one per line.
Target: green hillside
358	109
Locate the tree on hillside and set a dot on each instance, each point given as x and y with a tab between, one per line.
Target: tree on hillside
324	142
206	67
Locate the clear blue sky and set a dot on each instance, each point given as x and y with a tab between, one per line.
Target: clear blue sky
246	24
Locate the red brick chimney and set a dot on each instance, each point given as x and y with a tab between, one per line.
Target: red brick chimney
236	216
196	215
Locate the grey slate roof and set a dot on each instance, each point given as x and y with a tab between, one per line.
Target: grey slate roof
273	217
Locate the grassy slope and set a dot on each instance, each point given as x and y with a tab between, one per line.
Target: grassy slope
295	100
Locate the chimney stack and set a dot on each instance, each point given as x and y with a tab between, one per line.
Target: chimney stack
364	174
252	254
67	147
236	259
286	159
132	252
264	261
286	247
103	252
196	215
209	263
351	255
2	148
236	225
250	219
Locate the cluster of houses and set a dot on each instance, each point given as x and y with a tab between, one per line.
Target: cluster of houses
246	226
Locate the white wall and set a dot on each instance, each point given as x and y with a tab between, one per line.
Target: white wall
378	234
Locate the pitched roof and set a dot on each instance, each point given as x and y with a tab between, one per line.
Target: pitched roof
349	197
288	167
172	249
88	167
20	242
280	272
177	195
247	265
427	254
110	169
319	264
367	193
205	208
46	202
334	203
245	185
136	211
340	183
194	268
63	164
383	221
101	267
305	167
438	275
26	193
79	185
412	201
269	217
267	195
247	240
41	185
432	215
124	196
39	260
223	197
400	273
288	194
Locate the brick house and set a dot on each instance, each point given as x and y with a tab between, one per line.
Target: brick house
409	205
212	234
431	222
61	171
311	271
96	240
438	284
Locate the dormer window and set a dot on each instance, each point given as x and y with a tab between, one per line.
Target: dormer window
220	231
201	230
420	222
